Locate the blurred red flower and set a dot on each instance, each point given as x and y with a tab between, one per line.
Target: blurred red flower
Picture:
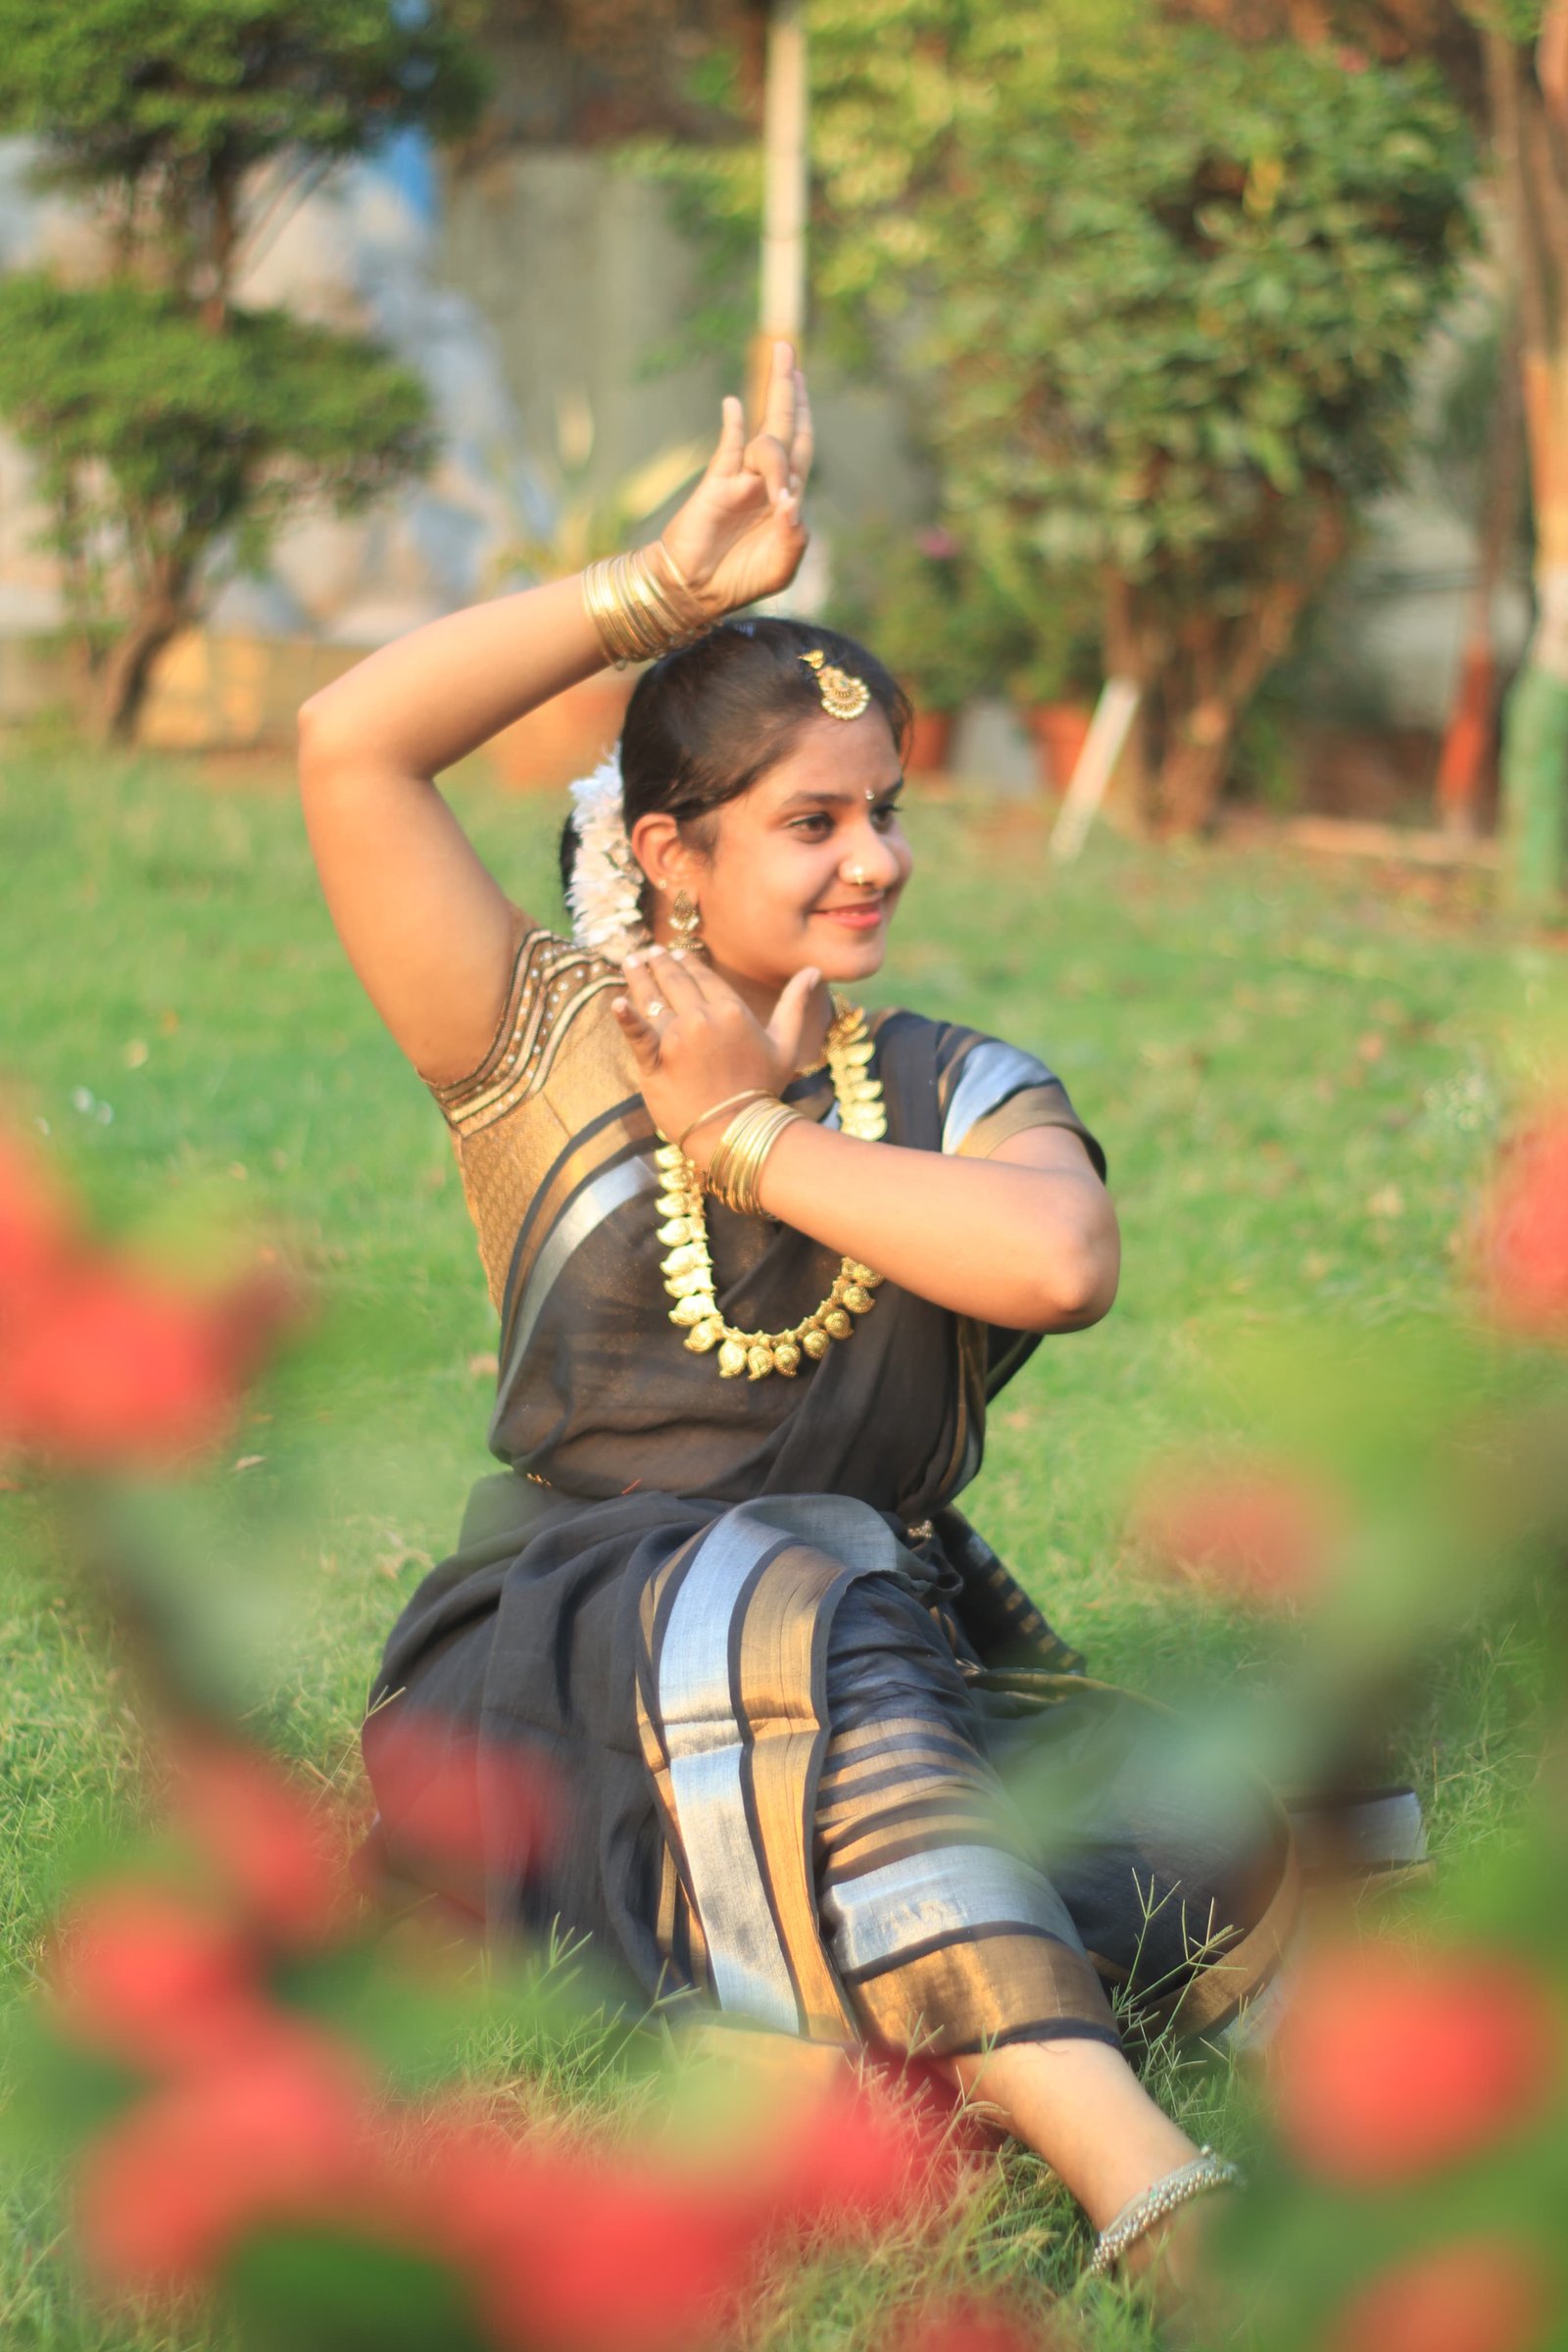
1486	2294
104	1364
1522	1252
145	1977
108	1368
619	2261
457	1805
271	1843
281	2130
862	2153
35	1228
568	2252
1393	2062
967	2327
1258	1533
571	2251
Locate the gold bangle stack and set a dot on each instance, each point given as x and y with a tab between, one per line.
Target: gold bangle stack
741	1153
752	1093
641	604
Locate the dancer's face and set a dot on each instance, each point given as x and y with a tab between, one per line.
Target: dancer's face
807	866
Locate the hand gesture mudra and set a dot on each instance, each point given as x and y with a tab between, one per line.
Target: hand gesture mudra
739	536
695	1043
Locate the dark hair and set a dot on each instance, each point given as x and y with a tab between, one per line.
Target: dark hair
707	722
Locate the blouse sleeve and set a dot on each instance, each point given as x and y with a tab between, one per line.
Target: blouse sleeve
510	1117
990	1091
517	1060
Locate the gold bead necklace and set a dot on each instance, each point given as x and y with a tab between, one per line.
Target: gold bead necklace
688	1270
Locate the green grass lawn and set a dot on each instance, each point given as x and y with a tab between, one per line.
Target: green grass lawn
1296	1072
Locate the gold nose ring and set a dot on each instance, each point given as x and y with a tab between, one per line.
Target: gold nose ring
859	876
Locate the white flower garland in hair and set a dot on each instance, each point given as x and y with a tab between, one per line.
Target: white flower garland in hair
606	882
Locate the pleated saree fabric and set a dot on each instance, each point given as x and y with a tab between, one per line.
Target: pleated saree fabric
826	1764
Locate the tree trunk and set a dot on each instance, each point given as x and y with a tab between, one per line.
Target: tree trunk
223	198
1202	738
1193	775
1467	740
1127	657
121	681
1534	739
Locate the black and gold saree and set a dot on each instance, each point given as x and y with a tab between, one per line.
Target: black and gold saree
826	1763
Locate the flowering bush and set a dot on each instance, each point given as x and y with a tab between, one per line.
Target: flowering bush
1484	2294
223	2009
1396	2061
256	2117
1257	1532
103	1364
1523	1246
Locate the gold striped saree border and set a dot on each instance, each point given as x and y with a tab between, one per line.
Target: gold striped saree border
1217	1989
1216	1994
782	1648
622	1132
731	1700
677	1929
993	1987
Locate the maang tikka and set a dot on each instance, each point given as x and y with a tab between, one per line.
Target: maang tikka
843	694
685	920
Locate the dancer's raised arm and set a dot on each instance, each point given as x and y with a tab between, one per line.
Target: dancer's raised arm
426	926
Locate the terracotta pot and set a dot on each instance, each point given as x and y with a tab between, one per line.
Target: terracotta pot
930	741
565	737
1059	732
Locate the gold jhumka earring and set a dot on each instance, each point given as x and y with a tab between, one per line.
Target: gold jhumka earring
685	920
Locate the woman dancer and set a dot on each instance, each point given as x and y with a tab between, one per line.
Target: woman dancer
759	1261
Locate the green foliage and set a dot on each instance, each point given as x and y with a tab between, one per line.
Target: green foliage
118	89
926	608
1197	288
1168	288
1520	19
155	438
175	432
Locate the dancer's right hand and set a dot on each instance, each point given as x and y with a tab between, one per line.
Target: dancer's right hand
695	1043
740	537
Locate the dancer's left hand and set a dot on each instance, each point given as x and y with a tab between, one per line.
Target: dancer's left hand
696	1041
741	535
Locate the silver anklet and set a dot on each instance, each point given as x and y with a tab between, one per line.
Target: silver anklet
1205	2170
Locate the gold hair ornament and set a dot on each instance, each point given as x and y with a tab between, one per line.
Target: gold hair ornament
843	696
736	1166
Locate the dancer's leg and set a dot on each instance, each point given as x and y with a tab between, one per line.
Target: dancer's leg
1080	2106
945	1935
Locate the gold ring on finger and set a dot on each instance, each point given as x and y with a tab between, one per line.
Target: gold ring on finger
653	1010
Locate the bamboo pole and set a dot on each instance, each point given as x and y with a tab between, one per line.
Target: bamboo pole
1113	717
786	191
